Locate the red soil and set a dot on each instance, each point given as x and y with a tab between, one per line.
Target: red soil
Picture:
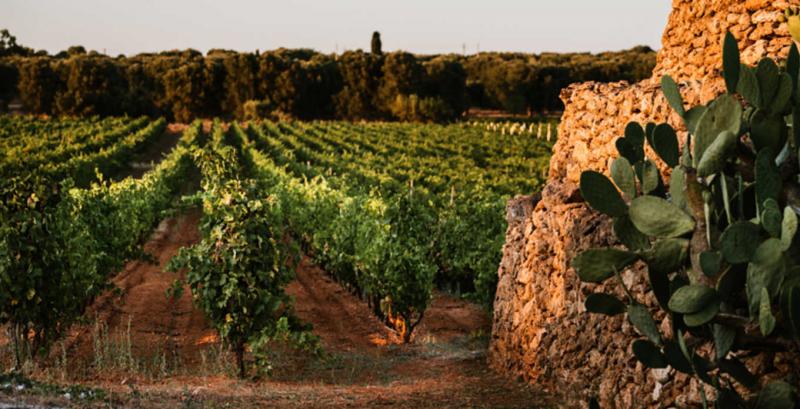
138	304
341	320
345	323
364	364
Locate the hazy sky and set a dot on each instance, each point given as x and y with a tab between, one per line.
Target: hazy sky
420	26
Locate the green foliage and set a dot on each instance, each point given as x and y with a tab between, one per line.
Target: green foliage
600	303
720	244
713	158
517	82
412	108
59	243
673	94
404	261
360	74
240	83
239	269
730	62
723	114
624	178
380	247
657	217
92	86
596	265
38	84
649	354
665	143
385	208
692	298
602	194
237	272
643	321
301	83
9	45
255	110
463	174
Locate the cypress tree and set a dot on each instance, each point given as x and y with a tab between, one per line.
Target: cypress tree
376	43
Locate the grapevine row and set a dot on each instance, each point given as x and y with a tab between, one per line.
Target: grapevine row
238	271
464	197
377	246
60	243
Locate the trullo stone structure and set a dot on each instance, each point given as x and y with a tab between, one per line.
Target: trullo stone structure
541	331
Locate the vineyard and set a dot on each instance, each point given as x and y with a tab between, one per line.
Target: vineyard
64	228
384	208
454	181
228	210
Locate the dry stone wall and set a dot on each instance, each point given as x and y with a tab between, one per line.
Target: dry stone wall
541	332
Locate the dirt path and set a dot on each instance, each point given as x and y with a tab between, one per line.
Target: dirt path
138	309
153	153
161	352
345	323
339	319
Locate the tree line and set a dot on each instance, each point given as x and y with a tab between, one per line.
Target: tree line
182	85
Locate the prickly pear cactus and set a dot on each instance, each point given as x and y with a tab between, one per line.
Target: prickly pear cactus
719	241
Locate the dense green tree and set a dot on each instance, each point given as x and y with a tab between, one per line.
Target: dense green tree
38	84
183	90
240	82
141	95
447	79
8	80
302	83
9	46
315	81
360	74
76	50
402	76
214	91
518	82
93	85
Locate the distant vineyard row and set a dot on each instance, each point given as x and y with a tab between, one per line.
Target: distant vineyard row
459	178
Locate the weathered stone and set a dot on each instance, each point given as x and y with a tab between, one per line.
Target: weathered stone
541	331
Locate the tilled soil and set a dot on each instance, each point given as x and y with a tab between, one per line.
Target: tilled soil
146	349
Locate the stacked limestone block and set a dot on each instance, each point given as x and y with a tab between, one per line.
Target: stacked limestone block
541	331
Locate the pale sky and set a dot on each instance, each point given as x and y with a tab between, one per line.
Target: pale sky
419	26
